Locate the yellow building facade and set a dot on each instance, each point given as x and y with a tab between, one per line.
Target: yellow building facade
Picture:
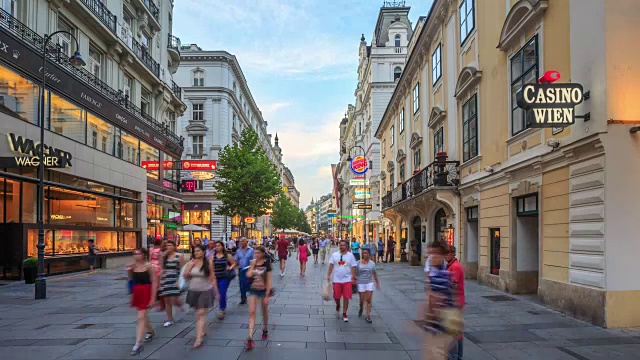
546	211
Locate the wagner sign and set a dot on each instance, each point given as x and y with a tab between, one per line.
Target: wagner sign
552	105
51	157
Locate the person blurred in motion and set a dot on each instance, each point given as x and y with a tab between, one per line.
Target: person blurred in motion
367	280
211	250
169	292
203	290
143	296
282	248
323	244
315	249
223	265
303	254
155	258
344	264
457	279
259	293
243	257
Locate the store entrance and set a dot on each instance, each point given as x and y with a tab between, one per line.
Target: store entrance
527	244
416	242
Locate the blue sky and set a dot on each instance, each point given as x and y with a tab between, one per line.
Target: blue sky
300	60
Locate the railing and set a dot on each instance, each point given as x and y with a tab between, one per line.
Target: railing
56	54
153	9
438	173
174	43
102	13
142	53
177	90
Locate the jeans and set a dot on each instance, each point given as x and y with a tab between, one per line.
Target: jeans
456	350
244	285
223	285
357	256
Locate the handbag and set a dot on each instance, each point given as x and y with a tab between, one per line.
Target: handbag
451	320
183	283
308	251
231	274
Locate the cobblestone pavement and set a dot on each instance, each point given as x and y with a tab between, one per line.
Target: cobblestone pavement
88	317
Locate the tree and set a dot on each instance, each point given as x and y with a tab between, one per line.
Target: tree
247	180
283	213
303	224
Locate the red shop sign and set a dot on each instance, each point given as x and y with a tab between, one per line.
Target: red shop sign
155	165
199	165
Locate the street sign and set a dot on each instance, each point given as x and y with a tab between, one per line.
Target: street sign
364	206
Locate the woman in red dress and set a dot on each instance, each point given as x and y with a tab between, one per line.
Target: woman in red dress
302	256
143	296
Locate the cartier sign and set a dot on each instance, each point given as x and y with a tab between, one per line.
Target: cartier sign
28	60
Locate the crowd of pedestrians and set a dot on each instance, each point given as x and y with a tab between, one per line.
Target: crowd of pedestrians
161	276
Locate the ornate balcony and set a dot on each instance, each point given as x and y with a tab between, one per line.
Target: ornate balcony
101	12
177	90
437	174
153	9
143	54
173	48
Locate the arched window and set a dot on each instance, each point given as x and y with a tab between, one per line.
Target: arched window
397	40
396	73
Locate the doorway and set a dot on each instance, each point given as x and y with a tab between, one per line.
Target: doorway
440	225
527	244
494	242
471	247
416	244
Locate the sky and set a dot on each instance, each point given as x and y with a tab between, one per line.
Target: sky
300	59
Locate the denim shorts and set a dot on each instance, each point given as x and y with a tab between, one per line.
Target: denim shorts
260	294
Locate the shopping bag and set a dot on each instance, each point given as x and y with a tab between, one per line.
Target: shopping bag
183	283
326	292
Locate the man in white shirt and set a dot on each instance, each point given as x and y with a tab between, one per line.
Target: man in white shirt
345	273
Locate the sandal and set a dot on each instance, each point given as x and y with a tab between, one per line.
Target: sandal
197	343
265	334
221	316
250	344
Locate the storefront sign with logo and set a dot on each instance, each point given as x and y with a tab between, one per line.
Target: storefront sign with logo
53	158
552	104
249	220
188	185
202	165
358	182
359	165
155	165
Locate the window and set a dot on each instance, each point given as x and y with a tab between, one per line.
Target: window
9	6
438	141
472	214
392	134
66	119
94	139
198	78
467	21
197	112
94	62
171	117
397	72
416	98
128	19
19	96
384	148
436	64
470	129
144	40
401	119
197	142
527	205
401	171
524	70
128	147
391	180
127	87
397	40
145	101
235	122
64	40
416	159
235	87
149	153
359	128
494	239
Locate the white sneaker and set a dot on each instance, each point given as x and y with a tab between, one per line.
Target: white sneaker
345	318
168	323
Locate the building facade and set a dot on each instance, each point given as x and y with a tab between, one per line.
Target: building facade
219	107
110	119
546	211
310	213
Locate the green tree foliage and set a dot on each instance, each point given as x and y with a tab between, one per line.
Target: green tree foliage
283	213
247	181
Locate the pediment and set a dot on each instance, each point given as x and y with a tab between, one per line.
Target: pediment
383	173
196	127
401	155
522	15
436	115
390	166
416	140
467	78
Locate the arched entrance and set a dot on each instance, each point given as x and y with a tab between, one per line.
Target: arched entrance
440	225
416	243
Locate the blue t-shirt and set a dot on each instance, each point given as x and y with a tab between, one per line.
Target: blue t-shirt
355	247
380	245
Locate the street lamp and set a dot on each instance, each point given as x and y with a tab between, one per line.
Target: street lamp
77	62
364	186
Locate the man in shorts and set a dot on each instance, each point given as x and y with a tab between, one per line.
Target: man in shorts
344	264
282	248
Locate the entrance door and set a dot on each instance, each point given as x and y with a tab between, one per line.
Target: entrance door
527	243
494	238
440	225
416	244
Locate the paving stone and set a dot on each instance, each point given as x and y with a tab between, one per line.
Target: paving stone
334	346
368	338
366	354
479	337
111	351
174	352
284	353
531	354
36	352
286	344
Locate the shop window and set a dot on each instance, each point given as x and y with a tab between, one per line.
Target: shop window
70	207
32	242
66	119
438	141
28	196
9	200
527	205
129	241
470	129
149	153
524	70
126	214
170	175
196	217
127	147
494	239
99	129
79	183
472	214
19	97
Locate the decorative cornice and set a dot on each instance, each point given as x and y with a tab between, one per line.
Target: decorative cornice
521	16
401	156
390	166
416	140
468	77
436	115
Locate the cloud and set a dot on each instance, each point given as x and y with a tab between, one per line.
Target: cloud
268	109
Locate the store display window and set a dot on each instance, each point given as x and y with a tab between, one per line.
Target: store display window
126	214
66	119
20	96
70	207
73	242
196	217
149	153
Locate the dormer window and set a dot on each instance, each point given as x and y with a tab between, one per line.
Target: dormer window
397	40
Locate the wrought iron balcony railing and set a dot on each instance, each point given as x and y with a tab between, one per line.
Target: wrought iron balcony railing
102	13
174	43
56	54
177	90
153	9
142	53
436	174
